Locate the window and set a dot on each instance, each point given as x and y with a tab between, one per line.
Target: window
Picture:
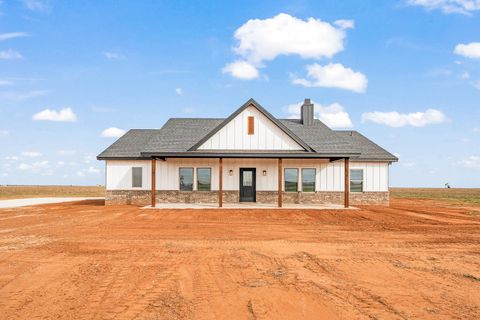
356	180
251	127
186	179
308	180
291	180
136	177
204	177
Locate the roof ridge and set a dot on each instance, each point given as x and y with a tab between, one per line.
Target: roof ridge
252	102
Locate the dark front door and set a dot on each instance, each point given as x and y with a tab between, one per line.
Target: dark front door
247	184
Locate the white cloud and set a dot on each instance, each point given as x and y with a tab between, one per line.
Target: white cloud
465	75
31	154
476	130
260	40
22	96
5	82
114	56
93	170
396	119
36	5
64	115
470	162
476	84
470	50
89	170
12	158
345	24
34	166
10	55
241	70
333	75
408	164
87	158
112	133
60	163
188	110
4	133
448	6
12	35
179	91
24	166
66	152
332	115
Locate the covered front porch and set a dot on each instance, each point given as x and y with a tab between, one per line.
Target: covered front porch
245	196
248	205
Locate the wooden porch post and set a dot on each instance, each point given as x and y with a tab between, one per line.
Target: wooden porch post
347	182
154	165
280	172
220	182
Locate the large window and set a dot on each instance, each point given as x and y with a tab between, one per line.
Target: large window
308	180
291	180
136	177
204	178
356	180
186	179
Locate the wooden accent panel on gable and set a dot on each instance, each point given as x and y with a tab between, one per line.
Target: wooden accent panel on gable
251	125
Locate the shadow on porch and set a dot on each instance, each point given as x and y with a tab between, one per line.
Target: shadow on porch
249	205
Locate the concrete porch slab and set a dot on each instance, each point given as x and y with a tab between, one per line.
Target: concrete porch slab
248	205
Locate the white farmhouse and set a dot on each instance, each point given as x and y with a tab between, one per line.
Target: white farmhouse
251	156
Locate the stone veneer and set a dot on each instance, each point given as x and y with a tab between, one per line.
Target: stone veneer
142	197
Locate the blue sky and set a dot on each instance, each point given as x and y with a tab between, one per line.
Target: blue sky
404	73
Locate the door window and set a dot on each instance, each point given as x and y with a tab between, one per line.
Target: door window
247	178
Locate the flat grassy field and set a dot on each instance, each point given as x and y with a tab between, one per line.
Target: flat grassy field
20	192
460	196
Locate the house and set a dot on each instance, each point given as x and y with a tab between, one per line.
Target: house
251	156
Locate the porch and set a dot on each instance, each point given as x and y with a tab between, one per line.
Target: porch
248	198
248	205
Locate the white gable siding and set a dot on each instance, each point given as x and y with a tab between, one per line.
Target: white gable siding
234	135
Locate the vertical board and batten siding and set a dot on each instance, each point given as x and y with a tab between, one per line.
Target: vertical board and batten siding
168	172
329	175
234	135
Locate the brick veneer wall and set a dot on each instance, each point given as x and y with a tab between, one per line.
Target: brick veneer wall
142	197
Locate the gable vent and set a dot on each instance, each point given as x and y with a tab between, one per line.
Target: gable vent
307	113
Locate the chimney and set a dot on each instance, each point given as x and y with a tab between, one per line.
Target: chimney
307	113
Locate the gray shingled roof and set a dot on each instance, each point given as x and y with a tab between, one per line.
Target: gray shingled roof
368	149
179	135
130	145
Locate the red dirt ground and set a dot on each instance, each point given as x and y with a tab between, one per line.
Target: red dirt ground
415	260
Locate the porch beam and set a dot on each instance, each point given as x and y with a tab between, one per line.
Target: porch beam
154	167
347	183
220	182
280	172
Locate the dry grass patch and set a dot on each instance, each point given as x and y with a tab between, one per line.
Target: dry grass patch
21	192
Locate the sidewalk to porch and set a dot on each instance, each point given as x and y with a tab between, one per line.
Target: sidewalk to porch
249	205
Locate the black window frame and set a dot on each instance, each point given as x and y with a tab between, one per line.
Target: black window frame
210	182
357	180
314	179
133	177
285	179
180	178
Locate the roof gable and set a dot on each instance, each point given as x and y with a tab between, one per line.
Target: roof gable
270	133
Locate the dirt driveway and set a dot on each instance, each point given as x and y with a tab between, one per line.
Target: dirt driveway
415	260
